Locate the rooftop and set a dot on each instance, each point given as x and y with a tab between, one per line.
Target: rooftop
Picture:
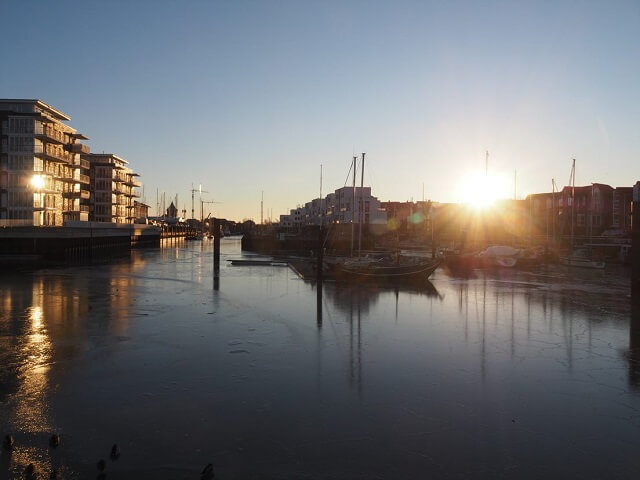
52	111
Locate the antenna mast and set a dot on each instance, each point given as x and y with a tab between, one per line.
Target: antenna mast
486	163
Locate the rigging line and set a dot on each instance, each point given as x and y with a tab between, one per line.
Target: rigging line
349	173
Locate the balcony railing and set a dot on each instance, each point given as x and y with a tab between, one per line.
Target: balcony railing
84	208
53	154
77	148
84	194
51	134
84	179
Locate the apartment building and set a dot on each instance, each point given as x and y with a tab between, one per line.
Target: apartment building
42	182
338	207
596	209
113	188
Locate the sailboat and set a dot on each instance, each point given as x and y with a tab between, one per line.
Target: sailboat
377	268
579	257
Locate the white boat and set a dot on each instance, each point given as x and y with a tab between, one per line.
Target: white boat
500	256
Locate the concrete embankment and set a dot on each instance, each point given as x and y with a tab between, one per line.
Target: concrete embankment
75	241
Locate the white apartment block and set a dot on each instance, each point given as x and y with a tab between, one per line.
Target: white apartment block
113	189
338	207
41	177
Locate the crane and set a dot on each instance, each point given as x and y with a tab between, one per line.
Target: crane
202	202
193	191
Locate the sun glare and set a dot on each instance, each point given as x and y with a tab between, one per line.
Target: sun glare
481	191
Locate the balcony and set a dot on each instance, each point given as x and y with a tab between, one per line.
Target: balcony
84	194
133	183
46	152
85	179
50	134
84	208
77	148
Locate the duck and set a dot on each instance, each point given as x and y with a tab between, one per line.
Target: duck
115	452
207	472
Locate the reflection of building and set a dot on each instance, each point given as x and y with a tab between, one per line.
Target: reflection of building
113	189
41	182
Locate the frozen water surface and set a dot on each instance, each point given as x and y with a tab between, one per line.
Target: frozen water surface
503	375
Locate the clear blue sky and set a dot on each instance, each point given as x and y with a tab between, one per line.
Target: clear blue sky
245	96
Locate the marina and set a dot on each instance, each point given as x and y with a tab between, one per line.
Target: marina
319	240
505	372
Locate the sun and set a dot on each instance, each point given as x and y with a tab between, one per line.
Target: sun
480	190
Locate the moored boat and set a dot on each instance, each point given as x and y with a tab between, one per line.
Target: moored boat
499	256
383	269
580	261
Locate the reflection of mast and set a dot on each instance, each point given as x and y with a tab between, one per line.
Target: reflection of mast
359	380
355	358
484	321
396	291
512	322
633	355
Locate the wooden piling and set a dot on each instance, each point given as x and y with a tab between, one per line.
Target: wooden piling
635	245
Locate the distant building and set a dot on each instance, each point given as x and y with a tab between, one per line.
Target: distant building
42	181
172	211
141	210
113	186
590	210
408	217
338	207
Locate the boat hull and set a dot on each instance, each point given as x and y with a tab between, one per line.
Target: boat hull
581	262
385	272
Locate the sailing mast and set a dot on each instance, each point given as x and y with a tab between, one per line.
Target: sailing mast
353	204
553	209
573	198
361	205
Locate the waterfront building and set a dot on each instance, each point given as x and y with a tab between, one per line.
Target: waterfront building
42	181
113	188
338	207
141	211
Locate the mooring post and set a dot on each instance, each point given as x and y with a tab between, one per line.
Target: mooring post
216	253
635	244
320	255
319	275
